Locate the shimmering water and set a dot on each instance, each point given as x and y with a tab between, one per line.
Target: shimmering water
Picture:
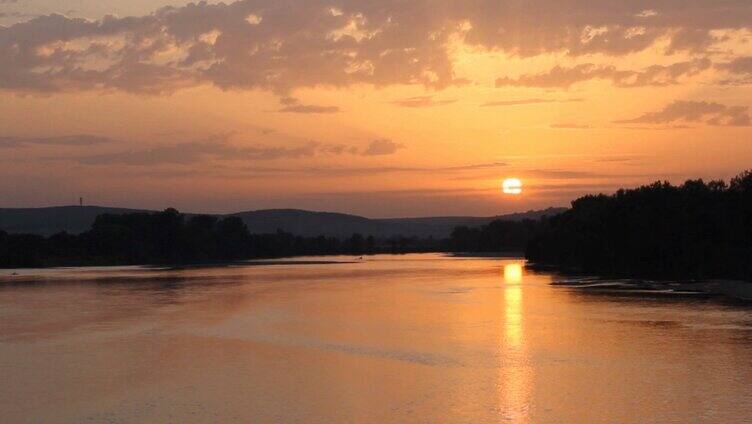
416	338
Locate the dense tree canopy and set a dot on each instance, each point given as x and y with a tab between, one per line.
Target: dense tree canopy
497	236
169	237
695	230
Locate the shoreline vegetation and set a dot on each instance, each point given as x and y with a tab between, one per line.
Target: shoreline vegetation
730	289
697	233
694	239
171	238
690	232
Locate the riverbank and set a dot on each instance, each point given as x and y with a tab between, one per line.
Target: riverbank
732	289
261	260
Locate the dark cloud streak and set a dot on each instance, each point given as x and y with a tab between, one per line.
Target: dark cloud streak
69	140
422	101
219	148
710	113
382	147
562	77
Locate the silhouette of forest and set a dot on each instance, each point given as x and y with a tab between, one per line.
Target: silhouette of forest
695	230
497	236
169	238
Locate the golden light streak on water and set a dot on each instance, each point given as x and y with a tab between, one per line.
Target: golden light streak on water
516	380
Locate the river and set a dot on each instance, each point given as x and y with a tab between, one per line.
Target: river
415	338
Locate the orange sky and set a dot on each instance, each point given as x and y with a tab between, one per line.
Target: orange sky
380	108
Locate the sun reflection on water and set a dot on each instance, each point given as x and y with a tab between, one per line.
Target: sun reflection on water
513	273
513	305
515	374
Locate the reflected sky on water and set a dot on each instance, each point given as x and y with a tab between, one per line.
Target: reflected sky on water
411	338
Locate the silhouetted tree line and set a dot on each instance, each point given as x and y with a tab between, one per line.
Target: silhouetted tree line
497	236
695	230
169	238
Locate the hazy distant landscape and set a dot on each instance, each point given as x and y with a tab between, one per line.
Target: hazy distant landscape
77	219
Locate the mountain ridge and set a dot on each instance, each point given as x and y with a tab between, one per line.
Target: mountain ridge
77	219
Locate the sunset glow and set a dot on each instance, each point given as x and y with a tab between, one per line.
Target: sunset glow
376	211
383	109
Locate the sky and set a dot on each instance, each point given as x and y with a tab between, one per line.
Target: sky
384	108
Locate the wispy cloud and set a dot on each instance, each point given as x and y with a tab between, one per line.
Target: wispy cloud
370	170
68	140
619	159
219	147
422	101
710	113
193	152
533	101
572	126
309	109
739	71
656	75
382	147
293	105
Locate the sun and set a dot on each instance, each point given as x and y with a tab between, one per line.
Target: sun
512	186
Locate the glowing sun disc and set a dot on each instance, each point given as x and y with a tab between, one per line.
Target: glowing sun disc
512	186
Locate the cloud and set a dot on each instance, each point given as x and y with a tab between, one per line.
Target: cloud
517	102
193	152
740	70
695	111
571	126
292	105
15	14
382	147
528	102
492	165
740	65
659	127
69	140
284	45
422	101
290	45
618	159
218	147
309	109
338	149
609	27
560	174
562	77
367	171
213	148
692	40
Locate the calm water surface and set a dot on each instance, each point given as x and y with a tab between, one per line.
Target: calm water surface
416	338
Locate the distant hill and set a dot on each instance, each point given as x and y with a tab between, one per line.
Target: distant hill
439	227
47	221
76	219
308	223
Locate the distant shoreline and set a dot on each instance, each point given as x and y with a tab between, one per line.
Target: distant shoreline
732	289
507	254
278	260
